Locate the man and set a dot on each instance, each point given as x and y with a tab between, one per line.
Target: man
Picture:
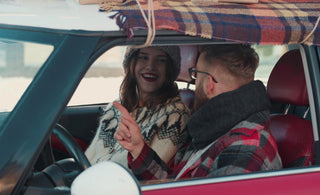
227	131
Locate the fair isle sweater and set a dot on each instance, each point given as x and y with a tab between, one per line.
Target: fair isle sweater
165	121
228	136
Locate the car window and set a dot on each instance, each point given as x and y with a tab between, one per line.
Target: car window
19	63
102	81
268	55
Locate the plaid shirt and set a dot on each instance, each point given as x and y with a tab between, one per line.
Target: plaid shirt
228	137
241	150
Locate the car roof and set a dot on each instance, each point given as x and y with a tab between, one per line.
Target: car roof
280	22
53	14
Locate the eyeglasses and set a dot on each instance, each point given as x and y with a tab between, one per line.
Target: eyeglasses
193	74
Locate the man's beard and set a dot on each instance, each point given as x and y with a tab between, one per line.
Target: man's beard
200	97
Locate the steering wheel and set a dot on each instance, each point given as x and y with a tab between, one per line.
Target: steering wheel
72	146
62	172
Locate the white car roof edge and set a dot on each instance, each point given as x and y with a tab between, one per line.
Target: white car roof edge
51	14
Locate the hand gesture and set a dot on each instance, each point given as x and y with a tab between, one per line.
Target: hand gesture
128	134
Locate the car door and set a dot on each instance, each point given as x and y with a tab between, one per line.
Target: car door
294	180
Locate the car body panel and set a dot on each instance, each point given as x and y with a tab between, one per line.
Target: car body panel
289	184
48	106
63	15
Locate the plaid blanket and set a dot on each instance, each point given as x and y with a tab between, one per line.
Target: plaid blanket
266	22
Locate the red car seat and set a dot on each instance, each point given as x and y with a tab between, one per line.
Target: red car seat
293	134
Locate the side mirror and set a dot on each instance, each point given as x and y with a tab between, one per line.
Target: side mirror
106	178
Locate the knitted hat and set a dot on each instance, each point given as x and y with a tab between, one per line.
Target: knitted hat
172	51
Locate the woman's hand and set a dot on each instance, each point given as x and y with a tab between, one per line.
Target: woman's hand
128	134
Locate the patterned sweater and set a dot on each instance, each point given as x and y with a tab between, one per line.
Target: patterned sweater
228	136
165	122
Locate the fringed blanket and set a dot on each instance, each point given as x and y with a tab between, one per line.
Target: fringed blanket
266	22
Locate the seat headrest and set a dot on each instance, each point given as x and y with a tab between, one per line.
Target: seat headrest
287	82
189	55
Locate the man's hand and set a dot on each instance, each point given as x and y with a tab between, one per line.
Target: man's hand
128	134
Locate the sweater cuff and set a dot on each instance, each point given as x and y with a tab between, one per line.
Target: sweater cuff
140	160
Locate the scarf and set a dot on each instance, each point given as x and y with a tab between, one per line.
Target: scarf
221	113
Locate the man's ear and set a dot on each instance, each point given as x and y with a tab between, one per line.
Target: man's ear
210	87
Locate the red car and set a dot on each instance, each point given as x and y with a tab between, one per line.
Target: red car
61	63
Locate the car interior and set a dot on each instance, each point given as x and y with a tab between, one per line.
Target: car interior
290	120
293	132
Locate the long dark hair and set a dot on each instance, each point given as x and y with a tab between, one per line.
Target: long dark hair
129	92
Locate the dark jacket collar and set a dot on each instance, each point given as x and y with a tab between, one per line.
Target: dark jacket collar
221	113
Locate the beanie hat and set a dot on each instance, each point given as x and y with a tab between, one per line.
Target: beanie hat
172	51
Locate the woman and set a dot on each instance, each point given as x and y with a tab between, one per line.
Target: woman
151	96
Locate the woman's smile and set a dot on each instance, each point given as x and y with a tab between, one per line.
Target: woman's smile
149	77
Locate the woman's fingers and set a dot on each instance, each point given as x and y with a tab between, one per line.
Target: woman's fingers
124	112
126	127
128	133
123	142
121	136
118	137
132	126
122	133
127	120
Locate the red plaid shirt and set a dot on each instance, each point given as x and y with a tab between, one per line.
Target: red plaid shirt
241	150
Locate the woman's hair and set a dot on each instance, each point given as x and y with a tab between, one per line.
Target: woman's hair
129	92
